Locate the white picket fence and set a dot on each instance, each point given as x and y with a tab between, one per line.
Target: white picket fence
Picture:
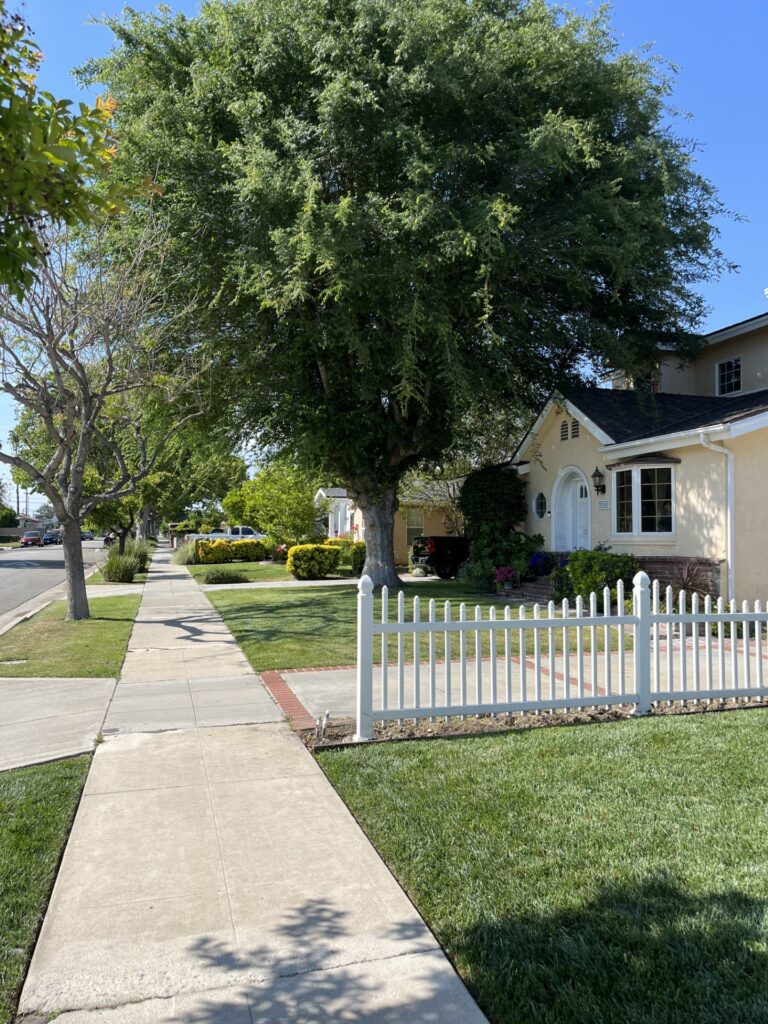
557	657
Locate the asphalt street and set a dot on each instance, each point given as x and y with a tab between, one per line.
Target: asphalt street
27	572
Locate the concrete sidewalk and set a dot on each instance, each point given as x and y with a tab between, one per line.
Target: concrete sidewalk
213	874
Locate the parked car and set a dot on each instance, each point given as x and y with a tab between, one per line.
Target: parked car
230	533
51	537
441	556
32	539
86	535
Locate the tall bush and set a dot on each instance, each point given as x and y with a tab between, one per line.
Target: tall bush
312	561
591	571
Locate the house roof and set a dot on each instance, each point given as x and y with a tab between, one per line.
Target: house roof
332	492
632	415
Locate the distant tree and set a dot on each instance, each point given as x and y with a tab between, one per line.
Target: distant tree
79	354
52	161
397	208
279	501
8	517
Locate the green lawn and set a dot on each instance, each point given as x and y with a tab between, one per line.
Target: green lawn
315	627
37	806
256	572
47	645
587	875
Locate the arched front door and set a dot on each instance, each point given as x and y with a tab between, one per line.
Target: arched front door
571	511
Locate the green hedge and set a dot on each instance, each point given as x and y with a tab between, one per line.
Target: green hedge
352	552
358	557
312	561
590	571
214	552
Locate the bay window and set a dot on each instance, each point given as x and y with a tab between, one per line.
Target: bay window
644	500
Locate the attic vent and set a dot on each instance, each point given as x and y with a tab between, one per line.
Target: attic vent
575	428
564	430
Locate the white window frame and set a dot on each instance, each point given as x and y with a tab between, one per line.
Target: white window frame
409	529
637	501
536	515
731	359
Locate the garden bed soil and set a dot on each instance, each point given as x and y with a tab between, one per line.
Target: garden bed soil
340	732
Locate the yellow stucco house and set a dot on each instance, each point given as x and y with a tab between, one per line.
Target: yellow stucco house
674	475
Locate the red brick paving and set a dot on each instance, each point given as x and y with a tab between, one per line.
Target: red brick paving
287	701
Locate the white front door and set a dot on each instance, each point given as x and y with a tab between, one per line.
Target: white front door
572	526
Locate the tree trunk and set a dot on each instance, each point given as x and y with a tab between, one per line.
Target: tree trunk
142	527
77	598
122	536
379	522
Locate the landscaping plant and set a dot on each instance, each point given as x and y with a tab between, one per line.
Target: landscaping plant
448	204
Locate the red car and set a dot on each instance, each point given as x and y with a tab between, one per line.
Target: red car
32	539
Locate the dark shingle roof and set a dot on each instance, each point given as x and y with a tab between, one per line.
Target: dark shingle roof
632	415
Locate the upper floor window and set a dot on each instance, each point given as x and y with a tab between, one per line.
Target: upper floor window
729	376
644	500
564	430
574	428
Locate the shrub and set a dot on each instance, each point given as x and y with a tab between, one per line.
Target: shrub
477	575
217	575
312	561
345	546
213	552
592	570
141	551
184	554
507	574
562	588
541	563
248	550
119	568
358	557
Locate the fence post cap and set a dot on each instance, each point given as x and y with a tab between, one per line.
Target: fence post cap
365	586
642	580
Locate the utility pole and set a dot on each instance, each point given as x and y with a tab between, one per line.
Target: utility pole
18	507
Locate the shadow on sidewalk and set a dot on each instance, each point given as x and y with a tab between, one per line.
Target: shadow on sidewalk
304	987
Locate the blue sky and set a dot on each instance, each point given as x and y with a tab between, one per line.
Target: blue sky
721	82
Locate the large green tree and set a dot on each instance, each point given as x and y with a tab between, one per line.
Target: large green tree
52	159
398	208
279	500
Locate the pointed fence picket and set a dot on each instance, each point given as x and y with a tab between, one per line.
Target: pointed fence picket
549	658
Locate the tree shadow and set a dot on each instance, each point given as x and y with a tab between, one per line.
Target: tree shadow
298	982
648	952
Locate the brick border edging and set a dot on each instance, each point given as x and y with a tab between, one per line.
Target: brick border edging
287	701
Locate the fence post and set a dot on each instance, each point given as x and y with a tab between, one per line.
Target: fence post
365	660
641	602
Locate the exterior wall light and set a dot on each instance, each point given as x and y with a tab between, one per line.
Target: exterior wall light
598	479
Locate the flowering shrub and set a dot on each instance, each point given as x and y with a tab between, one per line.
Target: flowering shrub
507	574
214	552
312	561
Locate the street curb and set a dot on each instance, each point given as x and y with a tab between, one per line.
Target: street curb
43	600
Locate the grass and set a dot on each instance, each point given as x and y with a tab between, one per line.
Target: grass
37	806
47	645
313	628
255	572
585	875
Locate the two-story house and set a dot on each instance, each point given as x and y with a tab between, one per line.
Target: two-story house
675	475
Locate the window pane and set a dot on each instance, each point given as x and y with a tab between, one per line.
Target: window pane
540	505
729	376
414	517
624	501
655	500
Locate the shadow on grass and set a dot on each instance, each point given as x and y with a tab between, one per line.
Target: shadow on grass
649	952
